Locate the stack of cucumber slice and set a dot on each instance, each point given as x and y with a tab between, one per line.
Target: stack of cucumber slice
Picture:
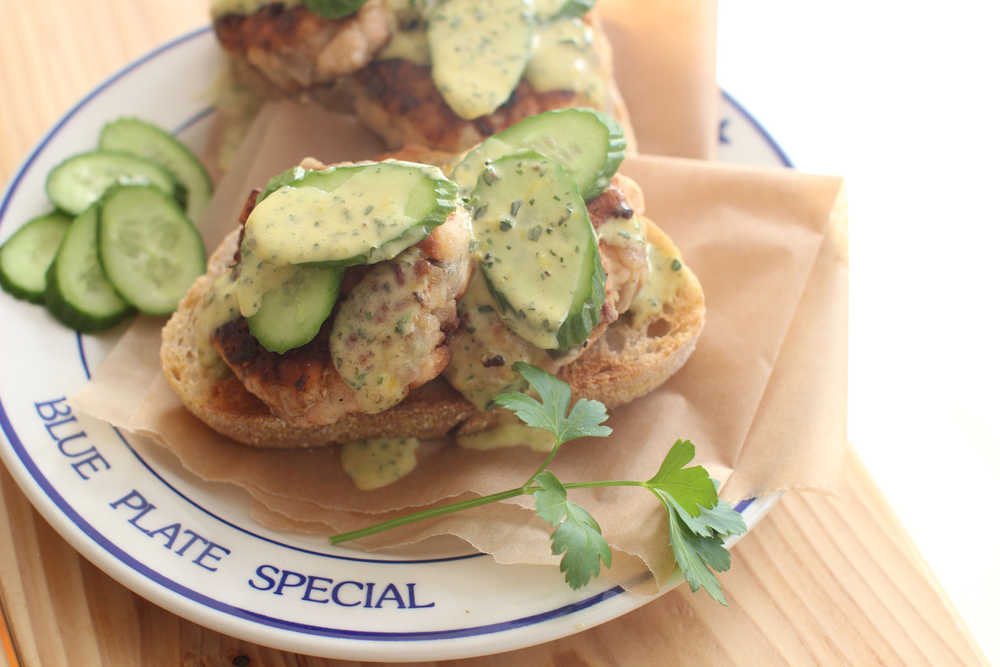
119	240
538	251
308	226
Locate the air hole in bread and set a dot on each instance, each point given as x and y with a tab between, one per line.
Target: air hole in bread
658	328
614	339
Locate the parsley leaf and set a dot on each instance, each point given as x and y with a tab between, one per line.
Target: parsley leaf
550	498
585	419
690	488
690	560
719	520
577	536
699	520
528	410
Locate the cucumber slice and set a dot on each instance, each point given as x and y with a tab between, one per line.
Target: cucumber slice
538	250
291	315
287	177
77	292
80	180
148	248
350	215
588	143
550	10
142	139
479	49
328	179
25	257
466	173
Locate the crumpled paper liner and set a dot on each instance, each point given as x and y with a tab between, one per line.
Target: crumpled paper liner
664	66
762	397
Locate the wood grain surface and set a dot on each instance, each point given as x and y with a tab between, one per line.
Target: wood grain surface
822	580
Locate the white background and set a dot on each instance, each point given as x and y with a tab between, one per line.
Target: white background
903	99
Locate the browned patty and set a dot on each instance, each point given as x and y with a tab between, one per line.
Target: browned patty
398	100
624	263
303	387
612	203
292	382
295	49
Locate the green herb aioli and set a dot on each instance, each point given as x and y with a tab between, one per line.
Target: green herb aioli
370	216
479	49
371	335
409	32
564	59
218	307
305	224
537	248
508	435
665	276
484	350
257	278
409	45
372	464
622	231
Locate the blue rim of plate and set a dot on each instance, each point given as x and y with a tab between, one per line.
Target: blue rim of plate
750	118
67	510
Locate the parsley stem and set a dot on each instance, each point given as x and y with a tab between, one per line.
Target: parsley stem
587	485
545	464
426	514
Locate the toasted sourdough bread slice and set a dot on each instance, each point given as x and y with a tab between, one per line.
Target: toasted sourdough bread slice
629	361
634	357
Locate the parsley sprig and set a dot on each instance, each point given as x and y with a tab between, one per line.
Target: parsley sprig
699	520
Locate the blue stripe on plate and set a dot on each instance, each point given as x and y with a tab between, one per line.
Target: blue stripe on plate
760	129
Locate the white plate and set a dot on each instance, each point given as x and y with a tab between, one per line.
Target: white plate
192	547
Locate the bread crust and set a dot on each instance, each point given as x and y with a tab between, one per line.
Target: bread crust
629	361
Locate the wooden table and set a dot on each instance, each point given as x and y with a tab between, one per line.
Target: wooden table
830	580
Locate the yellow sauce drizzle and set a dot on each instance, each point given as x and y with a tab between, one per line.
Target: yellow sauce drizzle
372	464
564	59
666	275
508	435
219	307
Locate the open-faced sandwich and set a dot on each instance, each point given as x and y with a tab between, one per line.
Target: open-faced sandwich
439	73
393	298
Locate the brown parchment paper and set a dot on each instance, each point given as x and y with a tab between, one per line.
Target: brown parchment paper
664	65
760	408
